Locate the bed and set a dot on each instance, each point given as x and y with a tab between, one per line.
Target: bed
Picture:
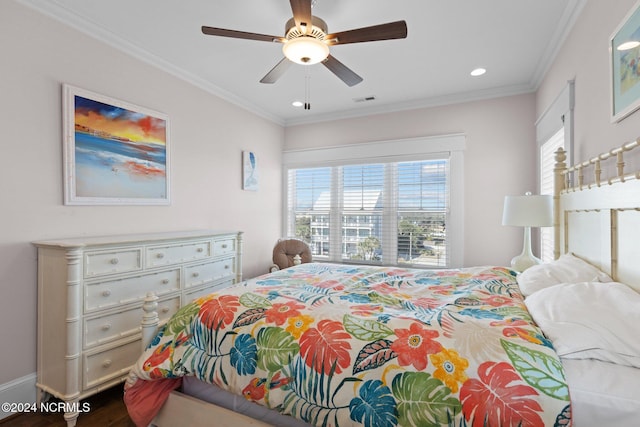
336	345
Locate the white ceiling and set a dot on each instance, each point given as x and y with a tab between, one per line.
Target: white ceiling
515	40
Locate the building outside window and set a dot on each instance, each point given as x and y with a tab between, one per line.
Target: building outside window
383	203
394	210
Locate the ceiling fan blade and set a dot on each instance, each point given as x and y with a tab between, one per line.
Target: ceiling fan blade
277	71
211	31
342	71
302	14
389	31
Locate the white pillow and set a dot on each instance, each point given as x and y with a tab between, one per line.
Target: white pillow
590	320
566	269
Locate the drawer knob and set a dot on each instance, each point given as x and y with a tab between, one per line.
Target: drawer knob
195	274
165	281
160	255
114	261
227	266
106	326
165	309
224	246
106	293
200	249
106	363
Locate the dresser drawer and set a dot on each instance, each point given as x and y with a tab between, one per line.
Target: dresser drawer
112	262
198	293
107	328
195	275
103	366
222	247
158	256
101	295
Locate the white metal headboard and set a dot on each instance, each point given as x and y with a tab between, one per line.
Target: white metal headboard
599	221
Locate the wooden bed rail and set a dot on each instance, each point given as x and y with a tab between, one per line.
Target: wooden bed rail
569	179
559	183
578	171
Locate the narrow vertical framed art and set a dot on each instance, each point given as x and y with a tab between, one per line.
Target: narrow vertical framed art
249	171
624	49
115	153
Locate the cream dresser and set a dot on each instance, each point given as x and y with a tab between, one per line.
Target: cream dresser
90	294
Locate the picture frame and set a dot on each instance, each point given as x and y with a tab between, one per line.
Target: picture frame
249	171
624	50
115	153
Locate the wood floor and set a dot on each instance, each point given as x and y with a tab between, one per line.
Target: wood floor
106	410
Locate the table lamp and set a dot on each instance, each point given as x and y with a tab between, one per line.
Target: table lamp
527	211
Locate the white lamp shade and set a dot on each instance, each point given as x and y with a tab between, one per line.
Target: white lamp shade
528	211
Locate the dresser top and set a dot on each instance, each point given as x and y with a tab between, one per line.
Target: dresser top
83	241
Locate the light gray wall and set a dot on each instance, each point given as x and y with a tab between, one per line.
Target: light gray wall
499	159
37	55
585	58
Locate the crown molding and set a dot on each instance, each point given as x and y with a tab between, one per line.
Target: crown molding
431	102
567	21
61	14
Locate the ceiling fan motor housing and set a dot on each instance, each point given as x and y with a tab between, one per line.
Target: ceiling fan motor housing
319	29
308	46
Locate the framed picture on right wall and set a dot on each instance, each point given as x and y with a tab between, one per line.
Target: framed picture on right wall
624	49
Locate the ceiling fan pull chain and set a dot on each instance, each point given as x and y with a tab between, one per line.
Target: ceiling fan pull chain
307	89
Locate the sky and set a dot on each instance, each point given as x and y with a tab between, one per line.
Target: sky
120	122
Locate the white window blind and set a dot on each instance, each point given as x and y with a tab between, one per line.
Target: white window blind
554	129
381	213
547	162
387	202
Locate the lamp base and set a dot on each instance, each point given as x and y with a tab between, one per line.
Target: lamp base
524	261
526	258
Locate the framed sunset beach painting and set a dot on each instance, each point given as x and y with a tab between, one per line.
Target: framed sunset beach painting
115	153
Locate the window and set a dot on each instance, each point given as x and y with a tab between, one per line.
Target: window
389	210
554	129
547	162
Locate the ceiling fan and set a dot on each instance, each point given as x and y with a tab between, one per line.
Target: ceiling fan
306	41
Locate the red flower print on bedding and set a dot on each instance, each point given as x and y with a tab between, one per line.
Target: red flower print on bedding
499	398
280	312
497	300
414	345
326	345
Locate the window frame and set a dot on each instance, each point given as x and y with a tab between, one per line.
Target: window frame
413	149
552	144
559	116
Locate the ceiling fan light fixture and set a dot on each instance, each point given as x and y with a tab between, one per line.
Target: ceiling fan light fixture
305	50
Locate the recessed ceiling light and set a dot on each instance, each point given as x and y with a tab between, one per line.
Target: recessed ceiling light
478	72
297	103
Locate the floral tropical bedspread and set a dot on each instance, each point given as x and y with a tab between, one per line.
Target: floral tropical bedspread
338	345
